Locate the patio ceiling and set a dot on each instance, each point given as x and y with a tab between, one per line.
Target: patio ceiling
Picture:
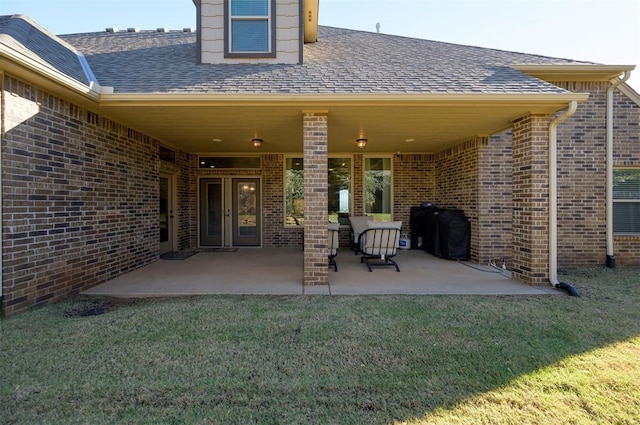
433	121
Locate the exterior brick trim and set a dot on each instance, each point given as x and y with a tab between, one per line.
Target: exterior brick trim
315	133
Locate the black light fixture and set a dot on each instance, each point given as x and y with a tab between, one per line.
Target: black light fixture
256	142
361	143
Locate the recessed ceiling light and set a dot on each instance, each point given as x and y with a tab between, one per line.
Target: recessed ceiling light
410	140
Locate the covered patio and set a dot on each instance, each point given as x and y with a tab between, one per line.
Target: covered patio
278	271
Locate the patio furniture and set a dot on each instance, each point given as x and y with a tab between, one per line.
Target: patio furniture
333	244
379	243
358	225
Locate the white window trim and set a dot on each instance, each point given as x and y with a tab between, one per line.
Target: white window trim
364	172
625	201
284	188
351	185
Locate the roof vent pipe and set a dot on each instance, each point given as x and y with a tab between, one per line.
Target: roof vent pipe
611	259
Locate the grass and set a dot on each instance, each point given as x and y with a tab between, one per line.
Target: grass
332	360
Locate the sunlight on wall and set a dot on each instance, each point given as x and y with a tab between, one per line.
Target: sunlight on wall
18	110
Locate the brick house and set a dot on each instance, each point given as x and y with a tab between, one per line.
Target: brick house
120	145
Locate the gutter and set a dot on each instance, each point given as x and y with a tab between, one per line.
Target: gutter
543	101
553	200
13	60
611	260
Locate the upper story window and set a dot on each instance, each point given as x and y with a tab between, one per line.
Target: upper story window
250	28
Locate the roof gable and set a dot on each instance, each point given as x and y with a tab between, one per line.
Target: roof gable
25	37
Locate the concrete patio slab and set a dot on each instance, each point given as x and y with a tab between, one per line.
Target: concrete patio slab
278	271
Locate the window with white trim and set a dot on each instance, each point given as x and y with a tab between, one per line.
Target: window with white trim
249	27
626	201
339	172
377	188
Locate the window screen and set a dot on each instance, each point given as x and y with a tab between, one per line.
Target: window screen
250	24
626	201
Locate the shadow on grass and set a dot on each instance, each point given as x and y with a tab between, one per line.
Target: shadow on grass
347	360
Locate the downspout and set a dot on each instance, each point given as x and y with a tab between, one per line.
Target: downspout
2	129
611	260
553	200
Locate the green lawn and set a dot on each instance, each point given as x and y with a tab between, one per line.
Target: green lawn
332	360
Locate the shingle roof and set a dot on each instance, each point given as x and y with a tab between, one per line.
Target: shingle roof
28	38
342	61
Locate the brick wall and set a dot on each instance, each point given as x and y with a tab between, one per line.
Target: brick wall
582	176
626	142
80	193
186	209
457	183
275	232
413	183
80	198
582	180
530	199
315	136
495	202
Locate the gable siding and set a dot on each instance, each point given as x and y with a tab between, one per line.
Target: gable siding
287	27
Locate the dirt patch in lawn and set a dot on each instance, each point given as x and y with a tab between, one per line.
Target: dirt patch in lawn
94	306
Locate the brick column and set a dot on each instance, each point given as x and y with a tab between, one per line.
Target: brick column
316	217
531	199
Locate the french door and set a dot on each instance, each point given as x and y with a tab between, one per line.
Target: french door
230	212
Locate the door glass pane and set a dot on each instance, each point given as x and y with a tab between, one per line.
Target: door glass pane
214	209
247	209
377	186
164	209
